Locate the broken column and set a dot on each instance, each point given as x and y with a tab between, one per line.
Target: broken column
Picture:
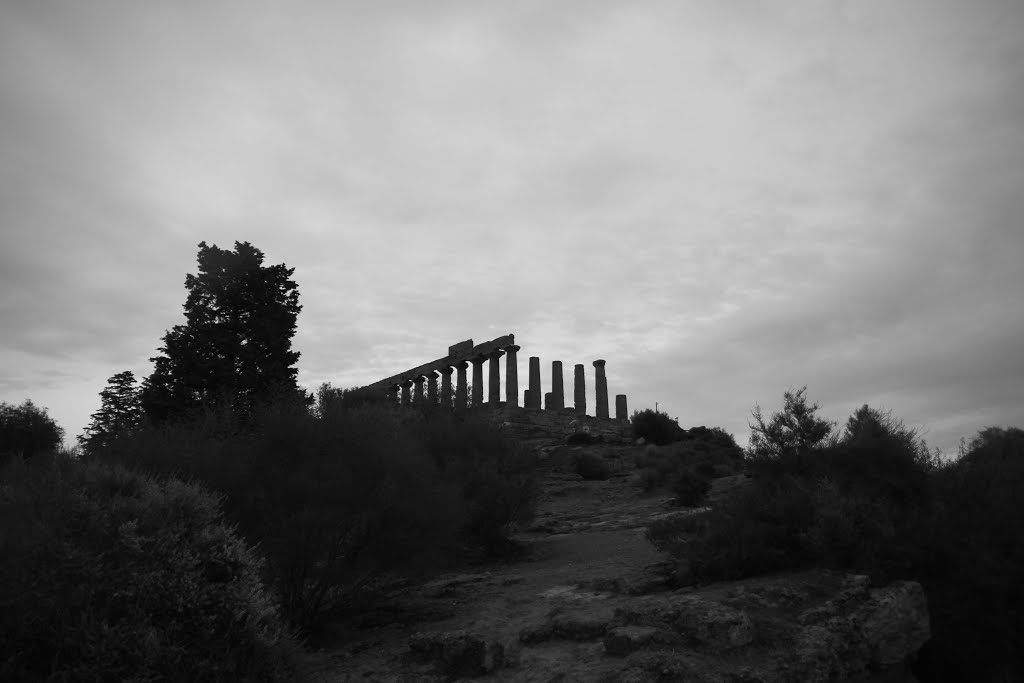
512	376
600	390
580	389
620	407
446	387
406	393
432	387
534	397
460	385
494	378
557	391
478	380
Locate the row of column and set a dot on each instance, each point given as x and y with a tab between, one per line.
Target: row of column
429	380
553	400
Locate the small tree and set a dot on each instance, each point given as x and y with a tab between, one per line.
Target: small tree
236	343
119	413
795	431
27	430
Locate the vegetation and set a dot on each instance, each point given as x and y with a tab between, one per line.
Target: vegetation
873	499
687	467
236	342
342	493
26	430
591	466
654	427
120	412
108	574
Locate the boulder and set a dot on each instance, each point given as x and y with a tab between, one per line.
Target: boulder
710	623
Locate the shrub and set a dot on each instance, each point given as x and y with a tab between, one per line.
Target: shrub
975	559
754	533
654	427
497	477
334	501
689	486
591	466
107	574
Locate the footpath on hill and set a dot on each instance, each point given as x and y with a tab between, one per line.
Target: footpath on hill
589	602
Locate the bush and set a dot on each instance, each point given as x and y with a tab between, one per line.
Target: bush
686	468
591	466
690	487
497	477
107	574
975	559
654	427
26	430
334	501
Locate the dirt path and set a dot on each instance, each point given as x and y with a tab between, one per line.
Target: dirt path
587	551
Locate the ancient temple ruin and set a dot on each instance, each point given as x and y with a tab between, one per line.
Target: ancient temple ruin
540	411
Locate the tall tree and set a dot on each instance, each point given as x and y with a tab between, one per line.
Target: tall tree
236	342
27	430
119	413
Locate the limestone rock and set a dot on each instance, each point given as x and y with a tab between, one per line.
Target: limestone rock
710	623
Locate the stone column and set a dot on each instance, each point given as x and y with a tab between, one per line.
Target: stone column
432	387
494	378
548	405
535	393
511	376
580	389
446	387
620	407
478	380
557	391
460	385
418	393
406	396
527	401
392	394
601	389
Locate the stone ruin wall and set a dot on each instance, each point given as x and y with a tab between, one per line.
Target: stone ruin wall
542	414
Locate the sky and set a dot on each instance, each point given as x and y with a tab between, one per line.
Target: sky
721	199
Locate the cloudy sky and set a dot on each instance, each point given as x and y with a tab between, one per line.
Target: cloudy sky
722	199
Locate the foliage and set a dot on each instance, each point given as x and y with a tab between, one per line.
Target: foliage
334	500
344	493
591	466
497	476
120	412
687	467
110	575
27	430
790	434
236	342
654	426
975	561
874	500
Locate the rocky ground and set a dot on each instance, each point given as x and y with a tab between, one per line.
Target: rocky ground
589	603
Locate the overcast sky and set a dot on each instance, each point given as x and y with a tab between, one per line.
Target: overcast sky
722	199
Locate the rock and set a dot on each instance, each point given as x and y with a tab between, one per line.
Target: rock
710	623
895	622
641	441
622	640
458	653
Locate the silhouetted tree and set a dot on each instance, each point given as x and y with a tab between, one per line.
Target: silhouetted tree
795	431
236	342
27	430
119	413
